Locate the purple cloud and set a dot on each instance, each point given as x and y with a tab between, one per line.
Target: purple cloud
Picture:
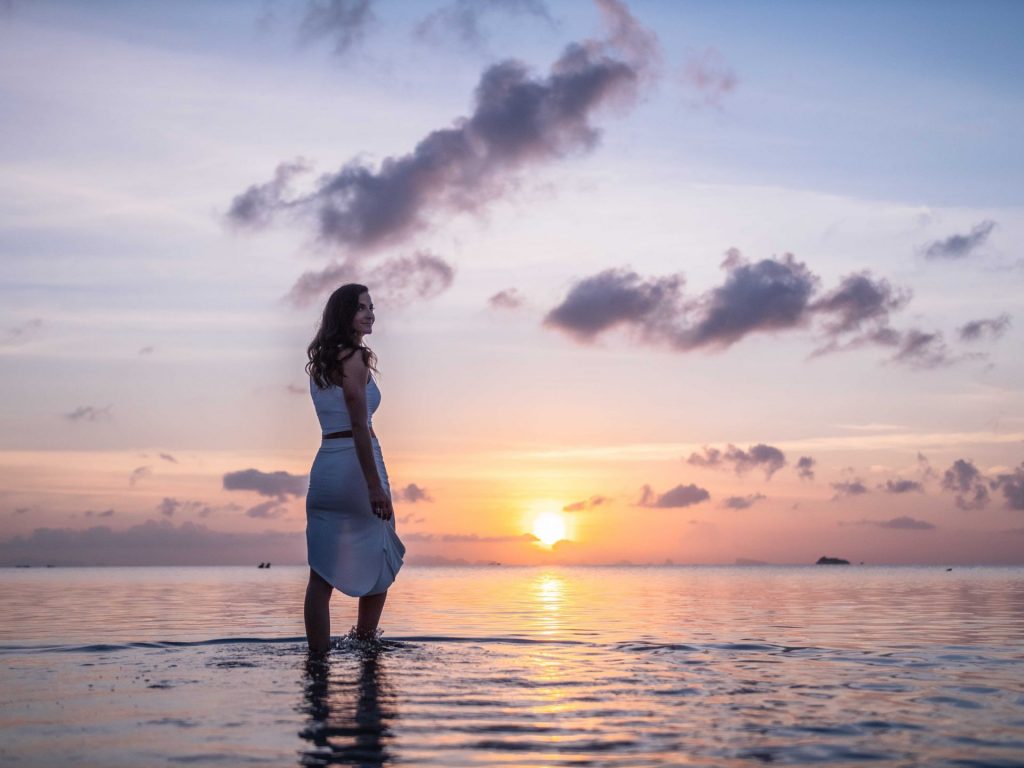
846	488
275	484
508	298
343	21
762	456
991	328
462	19
89	413
743	502
579	506
960	246
968	483
519	120
902	486
805	468
680	496
413	493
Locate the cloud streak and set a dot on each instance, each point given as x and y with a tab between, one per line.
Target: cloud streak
847	488
707	75
805	467
769	296
342	21
509	298
412	494
579	506
274	484
680	496
900	486
90	413
423	275
743	502
967	483
462	19
960	246
519	121
22	333
991	328
760	456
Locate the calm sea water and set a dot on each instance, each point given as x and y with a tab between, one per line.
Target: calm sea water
498	666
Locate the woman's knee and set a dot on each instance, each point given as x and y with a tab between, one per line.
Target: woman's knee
318	583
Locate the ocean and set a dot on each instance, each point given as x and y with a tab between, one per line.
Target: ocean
517	666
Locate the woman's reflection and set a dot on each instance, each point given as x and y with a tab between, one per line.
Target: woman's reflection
348	719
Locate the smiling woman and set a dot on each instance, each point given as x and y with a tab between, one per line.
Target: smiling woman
350	527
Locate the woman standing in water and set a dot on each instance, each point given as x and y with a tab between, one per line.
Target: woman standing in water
350	523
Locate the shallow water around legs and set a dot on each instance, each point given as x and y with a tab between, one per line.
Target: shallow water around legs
497	666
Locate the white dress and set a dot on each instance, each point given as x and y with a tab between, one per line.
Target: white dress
350	547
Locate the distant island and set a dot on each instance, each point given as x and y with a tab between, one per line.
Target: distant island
823	560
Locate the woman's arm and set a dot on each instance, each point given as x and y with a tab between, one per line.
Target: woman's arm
353	386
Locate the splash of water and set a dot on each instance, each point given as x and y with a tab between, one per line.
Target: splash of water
352	641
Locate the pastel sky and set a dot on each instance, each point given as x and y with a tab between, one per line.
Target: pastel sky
703	282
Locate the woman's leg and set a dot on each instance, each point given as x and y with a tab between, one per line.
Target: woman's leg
370	609
317	612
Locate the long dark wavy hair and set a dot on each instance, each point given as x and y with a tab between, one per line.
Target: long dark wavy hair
335	335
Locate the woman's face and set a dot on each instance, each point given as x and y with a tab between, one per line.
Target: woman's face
362	323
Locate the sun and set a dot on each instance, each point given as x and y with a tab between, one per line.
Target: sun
549	527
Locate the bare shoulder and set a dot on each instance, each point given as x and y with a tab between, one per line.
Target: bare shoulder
354	368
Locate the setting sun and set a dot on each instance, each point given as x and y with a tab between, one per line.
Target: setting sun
549	527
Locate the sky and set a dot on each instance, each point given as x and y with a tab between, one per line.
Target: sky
655	282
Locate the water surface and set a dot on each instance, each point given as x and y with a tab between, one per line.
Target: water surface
563	666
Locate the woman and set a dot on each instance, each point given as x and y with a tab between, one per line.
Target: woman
350	524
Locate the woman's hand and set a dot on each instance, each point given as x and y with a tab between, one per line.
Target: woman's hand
380	502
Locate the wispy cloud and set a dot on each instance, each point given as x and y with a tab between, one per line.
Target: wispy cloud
139	473
846	488
463	538
22	333
579	506
423	275
680	496
461	19
768	296
960	246
344	22
761	456
743	502
805	467
903	523
707	76
412	494
169	506
509	298
991	328
971	486
90	413
967	483
519	121
277	484
1011	484
899	486
267	509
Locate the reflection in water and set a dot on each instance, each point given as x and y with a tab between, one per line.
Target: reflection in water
549	590
348	719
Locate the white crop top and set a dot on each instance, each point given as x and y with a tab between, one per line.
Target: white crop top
332	411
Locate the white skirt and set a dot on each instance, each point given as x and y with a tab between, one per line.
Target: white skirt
350	547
